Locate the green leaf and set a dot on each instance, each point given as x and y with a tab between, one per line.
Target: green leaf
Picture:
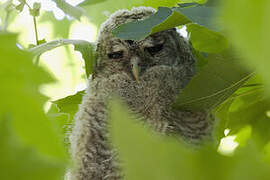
31	46
221	116
20	7
252	111
194	1
8	6
160	3
266	152
139	149
243	135
90	2
201	59
164	19
20	82
202	15
214	83
147	155
86	48
19	161
171	3
213	3
100	12
39	42
7	14
42	41
72	11
23	104
167	18
183	5
62	122
70	104
174	20
247	116
62	113
60	27
206	40
247	24
88	53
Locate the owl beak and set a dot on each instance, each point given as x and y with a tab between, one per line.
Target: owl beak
135	68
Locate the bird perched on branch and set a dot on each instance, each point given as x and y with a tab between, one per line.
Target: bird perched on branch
147	75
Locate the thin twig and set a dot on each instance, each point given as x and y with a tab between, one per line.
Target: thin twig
36	32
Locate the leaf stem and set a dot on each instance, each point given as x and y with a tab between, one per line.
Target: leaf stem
36	32
35	24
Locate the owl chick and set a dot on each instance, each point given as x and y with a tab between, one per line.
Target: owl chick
147	75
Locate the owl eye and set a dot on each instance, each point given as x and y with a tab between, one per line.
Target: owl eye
155	49
116	55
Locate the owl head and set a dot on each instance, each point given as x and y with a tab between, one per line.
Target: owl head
135	58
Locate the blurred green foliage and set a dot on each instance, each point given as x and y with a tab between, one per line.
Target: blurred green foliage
230	42
247	23
30	146
147	155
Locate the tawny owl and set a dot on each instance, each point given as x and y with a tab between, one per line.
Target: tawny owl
148	75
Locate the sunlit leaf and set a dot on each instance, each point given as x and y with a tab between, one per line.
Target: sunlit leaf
8	14
60	27
20	7
42	41
90	2
243	135
72	11
88	53
84	47
221	113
